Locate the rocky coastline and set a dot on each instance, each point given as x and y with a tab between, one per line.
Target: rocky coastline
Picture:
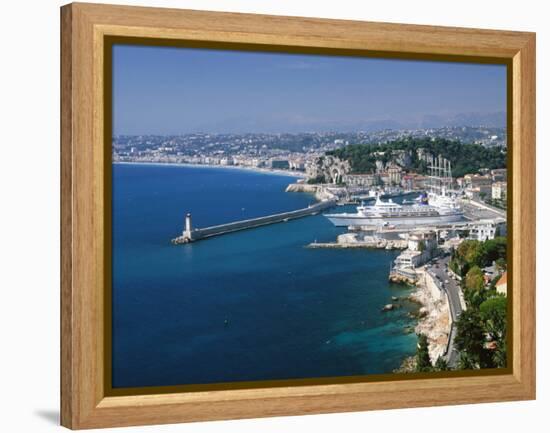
434	320
353	240
319	191
433	315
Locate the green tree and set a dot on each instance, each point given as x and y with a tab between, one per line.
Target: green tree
441	365
318	179
466	157
458	265
474	287
493	313
501	264
474	279
470	335
423	362
495	249
500	355
467	362
471	253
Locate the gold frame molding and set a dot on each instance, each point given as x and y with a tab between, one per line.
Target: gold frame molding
87	30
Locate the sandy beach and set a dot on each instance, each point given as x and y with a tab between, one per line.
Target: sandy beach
276	172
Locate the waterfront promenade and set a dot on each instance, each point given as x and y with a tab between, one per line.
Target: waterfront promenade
191	235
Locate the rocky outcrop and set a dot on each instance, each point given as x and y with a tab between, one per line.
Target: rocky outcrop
321	192
302	187
407	366
401	279
403	158
434	317
358	239
328	167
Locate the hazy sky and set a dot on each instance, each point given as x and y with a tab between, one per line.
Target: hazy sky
179	90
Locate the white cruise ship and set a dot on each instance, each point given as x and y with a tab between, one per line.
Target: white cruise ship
435	207
429	211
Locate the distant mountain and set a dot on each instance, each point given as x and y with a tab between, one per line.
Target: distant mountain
297	124
497	119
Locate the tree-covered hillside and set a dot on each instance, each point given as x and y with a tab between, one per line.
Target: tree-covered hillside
465	158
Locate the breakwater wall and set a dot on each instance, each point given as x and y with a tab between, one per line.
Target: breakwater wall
192	235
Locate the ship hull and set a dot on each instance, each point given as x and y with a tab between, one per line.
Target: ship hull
345	220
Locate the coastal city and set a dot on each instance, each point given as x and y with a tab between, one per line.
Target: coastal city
277	151
304	216
450	227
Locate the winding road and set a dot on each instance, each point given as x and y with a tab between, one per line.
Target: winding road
445	283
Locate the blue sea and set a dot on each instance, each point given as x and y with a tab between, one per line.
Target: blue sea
246	306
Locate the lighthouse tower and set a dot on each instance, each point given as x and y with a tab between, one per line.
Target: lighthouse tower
187	233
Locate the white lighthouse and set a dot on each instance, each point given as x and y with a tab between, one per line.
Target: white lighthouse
187	233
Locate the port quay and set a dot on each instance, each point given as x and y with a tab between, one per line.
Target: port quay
476	214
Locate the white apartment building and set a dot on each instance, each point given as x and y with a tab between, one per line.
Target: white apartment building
499	191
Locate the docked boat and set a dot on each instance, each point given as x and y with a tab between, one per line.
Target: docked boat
438	206
431	209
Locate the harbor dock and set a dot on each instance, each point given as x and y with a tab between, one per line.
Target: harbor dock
191	234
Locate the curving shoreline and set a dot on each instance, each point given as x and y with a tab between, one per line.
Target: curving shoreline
276	172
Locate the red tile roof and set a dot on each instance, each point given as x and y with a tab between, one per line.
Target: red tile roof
502	280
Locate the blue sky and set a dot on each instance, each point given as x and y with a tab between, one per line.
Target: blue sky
159	90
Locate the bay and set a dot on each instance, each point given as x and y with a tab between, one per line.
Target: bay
246	306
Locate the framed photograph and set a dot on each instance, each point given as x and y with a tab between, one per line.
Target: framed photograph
267	216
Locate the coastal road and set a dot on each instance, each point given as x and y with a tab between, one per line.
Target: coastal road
451	287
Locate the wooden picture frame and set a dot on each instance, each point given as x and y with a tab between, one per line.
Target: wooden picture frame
85	28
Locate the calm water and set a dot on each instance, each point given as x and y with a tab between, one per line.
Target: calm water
252	305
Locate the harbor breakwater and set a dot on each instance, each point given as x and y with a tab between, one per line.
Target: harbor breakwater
191	235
